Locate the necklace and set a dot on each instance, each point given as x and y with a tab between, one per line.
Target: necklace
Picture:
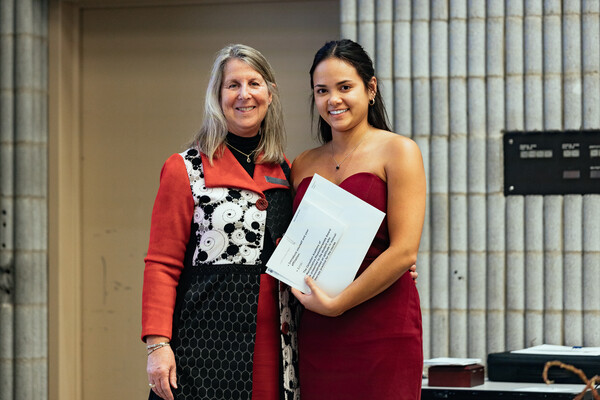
339	164
241	152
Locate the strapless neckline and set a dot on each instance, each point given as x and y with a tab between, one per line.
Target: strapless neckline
309	178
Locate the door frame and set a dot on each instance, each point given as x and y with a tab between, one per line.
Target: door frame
64	202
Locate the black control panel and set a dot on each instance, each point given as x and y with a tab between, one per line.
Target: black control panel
553	162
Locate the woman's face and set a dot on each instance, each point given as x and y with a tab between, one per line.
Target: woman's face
340	94
245	98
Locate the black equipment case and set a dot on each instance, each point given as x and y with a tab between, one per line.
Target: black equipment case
515	367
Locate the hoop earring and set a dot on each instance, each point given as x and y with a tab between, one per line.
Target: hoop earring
372	102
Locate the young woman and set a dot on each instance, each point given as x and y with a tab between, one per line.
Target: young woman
365	343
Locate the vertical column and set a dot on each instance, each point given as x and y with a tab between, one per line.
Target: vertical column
553	268
552	204
30	202
348	19
591	269
534	120
552	65
495	111
495	204
573	119
402	75
571	41
591	203
40	218
533	66
384	54
476	170
590	41
421	128
7	199
534	270
457	176
366	26
573	273
515	120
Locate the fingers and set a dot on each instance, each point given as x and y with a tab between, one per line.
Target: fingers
155	384
310	282
165	388
311	285
299	295
413	272
173	377
296	292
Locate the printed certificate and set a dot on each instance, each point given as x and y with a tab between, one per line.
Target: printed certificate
327	239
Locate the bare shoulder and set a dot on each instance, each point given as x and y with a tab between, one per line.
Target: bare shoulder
398	143
399	149
400	156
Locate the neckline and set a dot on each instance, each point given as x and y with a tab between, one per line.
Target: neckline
246	144
346	178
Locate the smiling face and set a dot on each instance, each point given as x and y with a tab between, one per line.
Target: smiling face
341	96
245	98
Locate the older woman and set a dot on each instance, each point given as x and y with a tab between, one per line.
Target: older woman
216	326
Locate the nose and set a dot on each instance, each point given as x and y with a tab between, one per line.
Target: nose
244	92
334	99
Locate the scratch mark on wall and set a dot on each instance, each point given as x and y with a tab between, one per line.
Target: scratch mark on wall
104	288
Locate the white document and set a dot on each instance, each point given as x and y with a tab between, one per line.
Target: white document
552	349
327	239
451	361
547	389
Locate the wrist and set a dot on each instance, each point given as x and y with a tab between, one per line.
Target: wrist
340	304
154	339
151	348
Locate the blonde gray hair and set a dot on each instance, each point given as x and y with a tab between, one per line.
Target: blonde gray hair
211	136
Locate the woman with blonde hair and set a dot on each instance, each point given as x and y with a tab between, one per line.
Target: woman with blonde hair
216	326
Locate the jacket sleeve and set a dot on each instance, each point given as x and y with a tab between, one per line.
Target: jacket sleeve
169	235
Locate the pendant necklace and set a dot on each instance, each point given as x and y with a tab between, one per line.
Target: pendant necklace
339	164
241	152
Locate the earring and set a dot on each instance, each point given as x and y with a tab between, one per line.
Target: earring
372	102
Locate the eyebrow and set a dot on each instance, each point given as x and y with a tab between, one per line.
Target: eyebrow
338	83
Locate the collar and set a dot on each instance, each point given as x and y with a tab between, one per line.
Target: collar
226	171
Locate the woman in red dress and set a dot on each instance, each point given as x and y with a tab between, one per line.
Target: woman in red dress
366	342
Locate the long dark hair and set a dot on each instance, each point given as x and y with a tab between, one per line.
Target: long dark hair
352	53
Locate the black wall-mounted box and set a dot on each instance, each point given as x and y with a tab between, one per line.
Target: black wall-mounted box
552	162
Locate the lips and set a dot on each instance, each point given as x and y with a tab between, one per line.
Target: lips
245	109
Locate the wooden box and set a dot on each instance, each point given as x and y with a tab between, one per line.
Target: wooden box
456	375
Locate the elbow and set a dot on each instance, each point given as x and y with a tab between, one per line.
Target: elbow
410	260
406	258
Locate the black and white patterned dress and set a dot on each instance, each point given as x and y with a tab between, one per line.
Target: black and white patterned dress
234	227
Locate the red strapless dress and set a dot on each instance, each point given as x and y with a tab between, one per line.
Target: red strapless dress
373	351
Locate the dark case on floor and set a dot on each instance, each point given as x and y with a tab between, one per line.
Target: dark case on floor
511	367
456	375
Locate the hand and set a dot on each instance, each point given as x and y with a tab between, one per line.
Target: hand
161	372
413	272
317	301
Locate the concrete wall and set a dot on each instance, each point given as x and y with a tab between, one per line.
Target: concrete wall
496	273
